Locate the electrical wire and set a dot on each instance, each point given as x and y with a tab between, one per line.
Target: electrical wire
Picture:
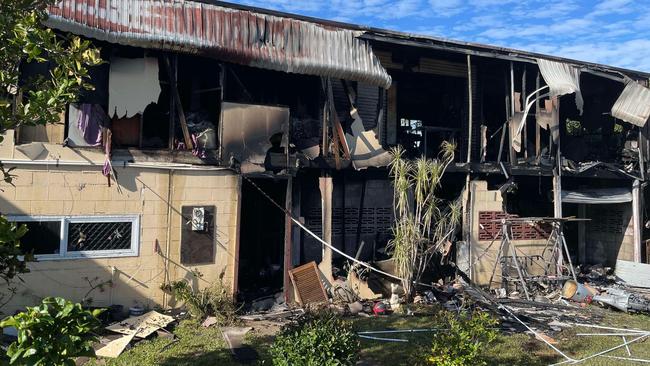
297	222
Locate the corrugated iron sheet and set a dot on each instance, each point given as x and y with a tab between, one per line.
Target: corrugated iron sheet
633	105
238	36
561	78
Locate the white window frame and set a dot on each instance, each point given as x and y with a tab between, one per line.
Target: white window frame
63	236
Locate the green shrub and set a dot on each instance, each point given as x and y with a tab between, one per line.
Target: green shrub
53	333
214	300
320	339
464	342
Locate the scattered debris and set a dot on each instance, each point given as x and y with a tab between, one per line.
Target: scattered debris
142	326
274	315
115	348
624	300
308	285
209	321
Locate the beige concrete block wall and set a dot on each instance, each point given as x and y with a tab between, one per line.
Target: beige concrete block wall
487	251
83	191
222	191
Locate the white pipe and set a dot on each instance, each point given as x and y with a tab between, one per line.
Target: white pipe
568	359
611	328
627	359
166	166
611	349
609	334
297	222
384	339
400	331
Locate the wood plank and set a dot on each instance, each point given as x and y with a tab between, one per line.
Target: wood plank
288	263
634	274
326	188
179	107
636	219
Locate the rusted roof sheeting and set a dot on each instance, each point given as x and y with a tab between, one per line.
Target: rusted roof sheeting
238	36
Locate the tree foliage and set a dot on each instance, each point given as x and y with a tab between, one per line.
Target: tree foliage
36	100
423	221
12	261
24	39
53	333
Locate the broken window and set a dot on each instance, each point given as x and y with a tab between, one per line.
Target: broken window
77	237
32	73
148	100
43	237
197	235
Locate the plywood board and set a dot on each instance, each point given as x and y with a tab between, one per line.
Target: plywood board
115	348
143	325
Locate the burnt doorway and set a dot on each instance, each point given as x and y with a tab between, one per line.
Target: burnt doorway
261	243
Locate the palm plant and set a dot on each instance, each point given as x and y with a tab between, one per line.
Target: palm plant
423	221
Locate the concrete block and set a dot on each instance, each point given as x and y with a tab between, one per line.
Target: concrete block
110	207
99	193
224	194
62	193
154	221
479	185
41	178
31	193
22	178
80	207
57	178
7	192
47	208
15	207
133	207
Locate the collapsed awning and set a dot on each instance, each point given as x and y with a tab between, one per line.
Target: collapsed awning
633	105
597	196
232	35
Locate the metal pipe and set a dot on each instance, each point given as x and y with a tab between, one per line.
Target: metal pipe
469	113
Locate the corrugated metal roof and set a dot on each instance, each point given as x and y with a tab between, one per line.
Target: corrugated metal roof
234	35
633	105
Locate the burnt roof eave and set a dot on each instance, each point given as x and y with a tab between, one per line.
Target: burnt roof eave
483	50
476	49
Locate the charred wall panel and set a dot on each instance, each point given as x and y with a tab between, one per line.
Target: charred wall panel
376	214
250	132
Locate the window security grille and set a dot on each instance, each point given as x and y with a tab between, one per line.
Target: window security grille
59	237
89	236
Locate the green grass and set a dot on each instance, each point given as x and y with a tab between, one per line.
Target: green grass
198	346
